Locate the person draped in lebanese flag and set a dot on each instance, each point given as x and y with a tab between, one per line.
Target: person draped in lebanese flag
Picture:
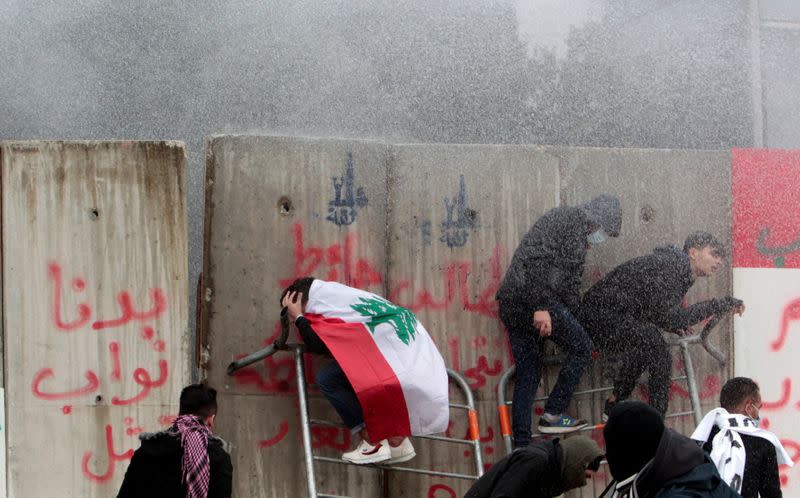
387	380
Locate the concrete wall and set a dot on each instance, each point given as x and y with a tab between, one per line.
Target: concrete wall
94	307
456	216
436	235
273	214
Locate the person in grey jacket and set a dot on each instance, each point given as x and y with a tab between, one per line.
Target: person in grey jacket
538	300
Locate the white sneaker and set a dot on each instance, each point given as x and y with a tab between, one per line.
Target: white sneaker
402	453
366	453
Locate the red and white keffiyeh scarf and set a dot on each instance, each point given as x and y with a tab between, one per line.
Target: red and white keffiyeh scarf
196	464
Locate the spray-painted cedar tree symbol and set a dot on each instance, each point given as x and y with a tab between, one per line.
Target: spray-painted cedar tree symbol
381	311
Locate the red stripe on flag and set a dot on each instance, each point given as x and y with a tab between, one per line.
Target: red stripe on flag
375	383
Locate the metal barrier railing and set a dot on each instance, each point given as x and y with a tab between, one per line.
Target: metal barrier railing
689	377
306	422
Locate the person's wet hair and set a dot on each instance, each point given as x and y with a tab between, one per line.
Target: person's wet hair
737	390
198	399
302	285
700	240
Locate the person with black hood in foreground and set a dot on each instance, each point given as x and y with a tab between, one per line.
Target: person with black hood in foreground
648	460
186	460
538	300
627	309
545	469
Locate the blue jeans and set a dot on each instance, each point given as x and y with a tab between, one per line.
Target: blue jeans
527	347
334	385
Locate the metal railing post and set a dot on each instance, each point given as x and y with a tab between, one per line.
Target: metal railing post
304	421
502	409
691	382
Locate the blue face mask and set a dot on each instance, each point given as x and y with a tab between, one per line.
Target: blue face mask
756	420
596	237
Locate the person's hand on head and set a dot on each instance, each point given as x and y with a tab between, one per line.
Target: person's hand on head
543	323
293	302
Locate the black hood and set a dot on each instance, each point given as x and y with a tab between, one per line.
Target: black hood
161	443
168	443
675	456
605	211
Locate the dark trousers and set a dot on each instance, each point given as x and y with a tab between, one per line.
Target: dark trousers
527	348
641	348
337	389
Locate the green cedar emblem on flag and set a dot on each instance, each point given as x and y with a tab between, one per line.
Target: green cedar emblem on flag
381	311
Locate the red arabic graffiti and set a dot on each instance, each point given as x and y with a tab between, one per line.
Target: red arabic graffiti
793	448
477	372
113	349
786	392
45	385
482	369
455	280
277	377
113	458
338	262
432	491
337	438
791	313
338	259
46	373
142	377
283	429
85	312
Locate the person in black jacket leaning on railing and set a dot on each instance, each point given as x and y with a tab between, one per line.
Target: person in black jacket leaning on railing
538	300
626	311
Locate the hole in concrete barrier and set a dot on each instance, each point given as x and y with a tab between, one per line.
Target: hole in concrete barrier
98	398
94	213
285	205
471	214
648	213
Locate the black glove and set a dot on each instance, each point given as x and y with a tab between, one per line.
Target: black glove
725	304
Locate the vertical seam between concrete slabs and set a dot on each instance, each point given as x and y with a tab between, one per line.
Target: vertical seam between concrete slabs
387	237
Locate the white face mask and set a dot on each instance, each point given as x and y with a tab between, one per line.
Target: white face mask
756	420
597	237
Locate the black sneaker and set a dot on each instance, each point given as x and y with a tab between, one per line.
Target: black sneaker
563	425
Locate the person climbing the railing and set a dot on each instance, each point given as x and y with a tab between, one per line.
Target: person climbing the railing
538	300
626	311
386	380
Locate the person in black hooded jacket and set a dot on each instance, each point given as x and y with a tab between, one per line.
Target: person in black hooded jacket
157	467
647	460
626	311
545	469
538	300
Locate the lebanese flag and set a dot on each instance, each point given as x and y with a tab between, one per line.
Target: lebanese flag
388	357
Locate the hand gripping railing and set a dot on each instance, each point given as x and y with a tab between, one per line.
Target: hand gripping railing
681	341
278	345
306	422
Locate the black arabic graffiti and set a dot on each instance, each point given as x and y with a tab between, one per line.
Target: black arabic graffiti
342	210
776	252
